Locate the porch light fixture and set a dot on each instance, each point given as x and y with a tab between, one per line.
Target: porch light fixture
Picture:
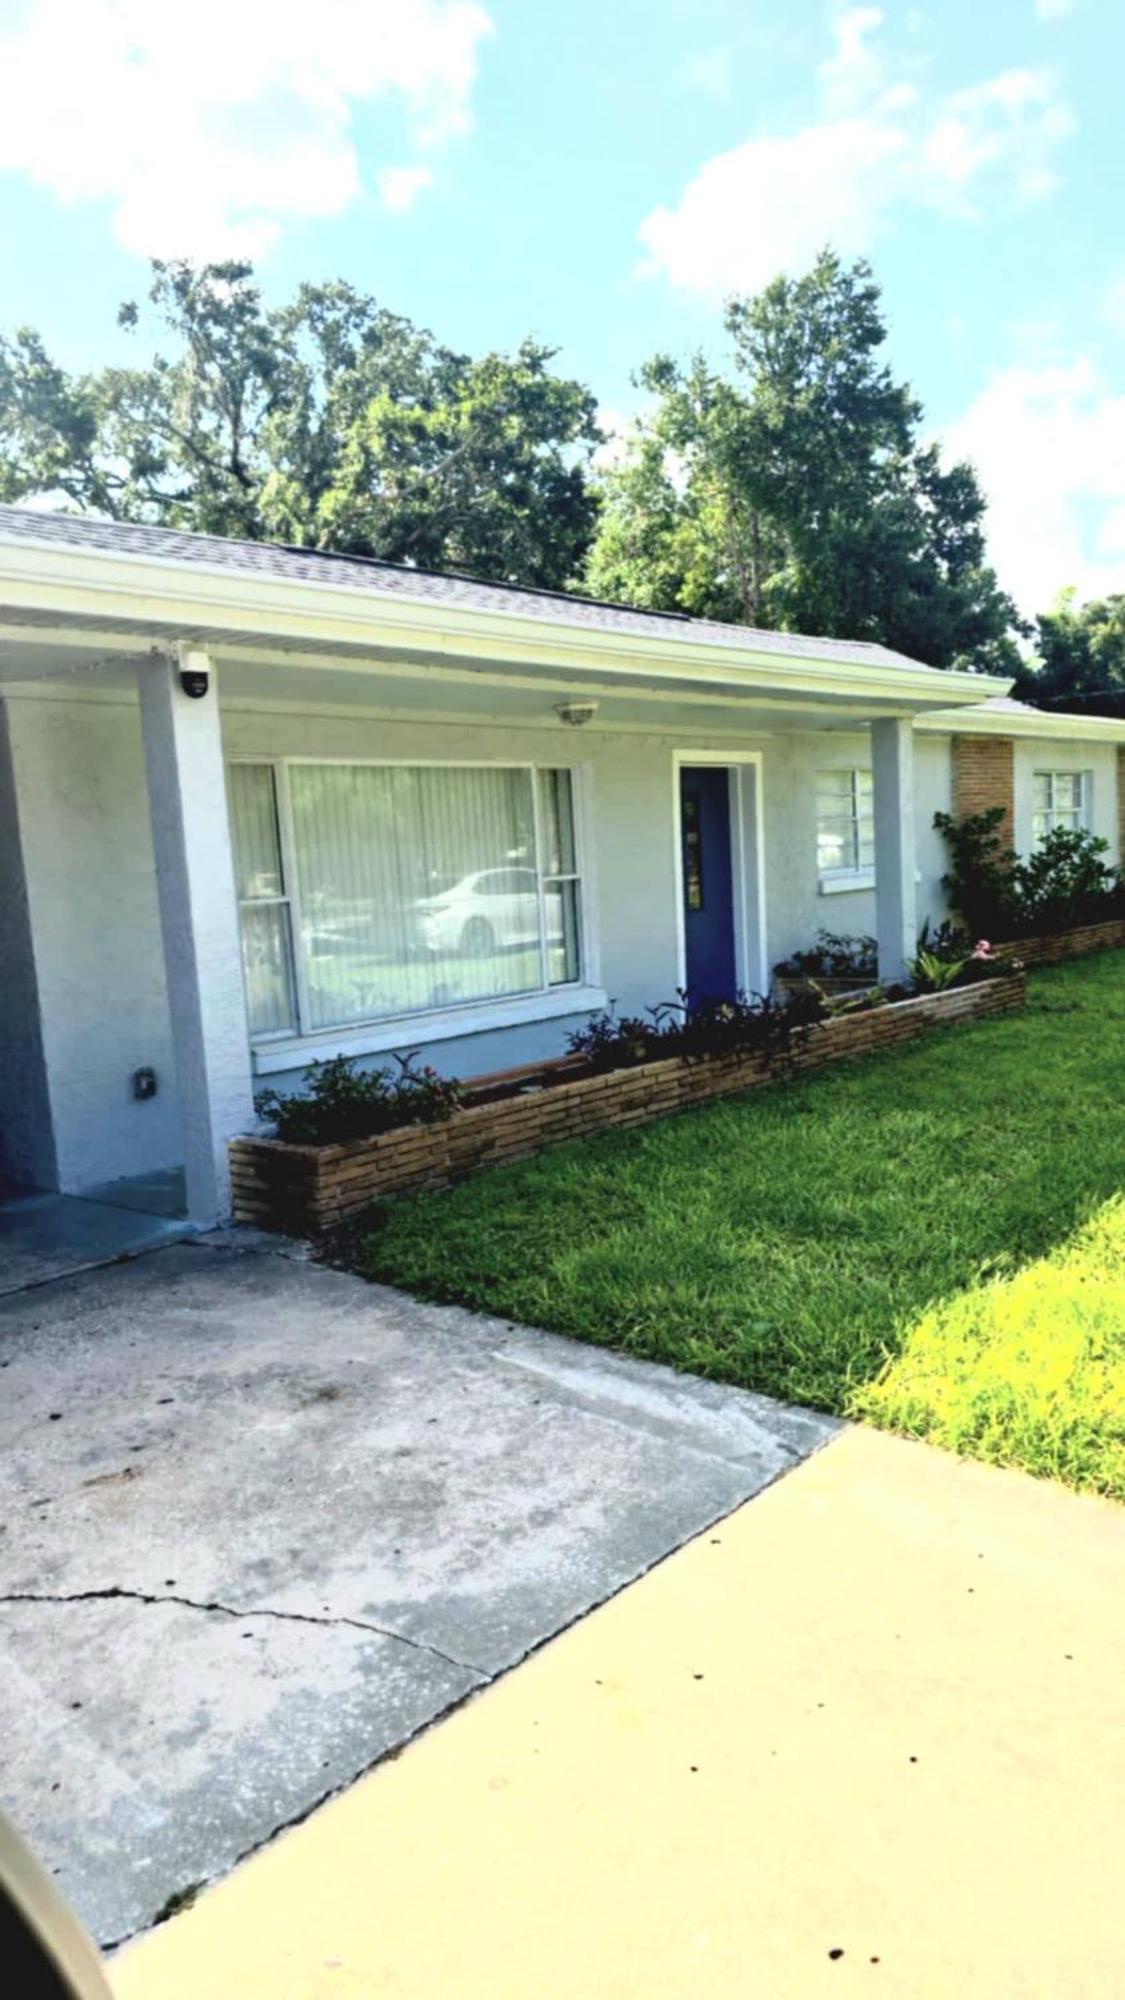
575	713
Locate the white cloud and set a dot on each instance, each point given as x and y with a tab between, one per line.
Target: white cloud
854	71
769	204
399	187
1049	444
1053	10
208	127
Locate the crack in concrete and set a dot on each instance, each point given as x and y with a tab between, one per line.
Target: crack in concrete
111	1591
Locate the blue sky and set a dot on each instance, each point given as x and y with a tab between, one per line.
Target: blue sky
602	175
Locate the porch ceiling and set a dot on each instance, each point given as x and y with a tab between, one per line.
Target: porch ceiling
87	658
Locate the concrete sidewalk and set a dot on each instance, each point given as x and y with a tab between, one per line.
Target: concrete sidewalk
864	1735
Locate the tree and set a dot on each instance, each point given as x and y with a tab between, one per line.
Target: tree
1080	663
796	493
329	422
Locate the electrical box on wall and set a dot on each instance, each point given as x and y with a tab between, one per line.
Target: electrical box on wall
144	1084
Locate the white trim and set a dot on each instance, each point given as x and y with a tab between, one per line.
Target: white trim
379	1038
1041	723
748	885
841	881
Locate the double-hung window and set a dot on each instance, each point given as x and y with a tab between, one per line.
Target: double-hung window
1059	798
845	828
370	892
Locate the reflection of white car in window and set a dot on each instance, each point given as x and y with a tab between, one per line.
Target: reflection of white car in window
491	910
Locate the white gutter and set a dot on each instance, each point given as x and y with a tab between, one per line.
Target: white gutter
1038	722
170	598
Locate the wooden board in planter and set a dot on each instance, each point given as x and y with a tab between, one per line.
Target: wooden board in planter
310	1189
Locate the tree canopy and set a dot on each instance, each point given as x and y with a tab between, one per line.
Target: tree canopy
328	422
796	491
1079	663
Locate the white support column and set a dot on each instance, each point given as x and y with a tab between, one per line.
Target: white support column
896	914
199	921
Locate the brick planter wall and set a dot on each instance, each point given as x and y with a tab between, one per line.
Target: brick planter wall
1060	945
984	776
310	1189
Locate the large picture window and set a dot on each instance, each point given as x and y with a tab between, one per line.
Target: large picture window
372	891
845	823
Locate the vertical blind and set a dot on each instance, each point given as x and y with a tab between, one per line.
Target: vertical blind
411	888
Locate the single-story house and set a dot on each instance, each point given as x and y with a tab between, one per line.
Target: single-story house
260	805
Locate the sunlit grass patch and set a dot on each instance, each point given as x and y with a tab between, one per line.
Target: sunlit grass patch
1024	1370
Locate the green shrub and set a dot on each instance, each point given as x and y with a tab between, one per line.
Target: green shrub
342	1102
1064	882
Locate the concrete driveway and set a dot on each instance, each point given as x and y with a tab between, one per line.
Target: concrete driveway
261	1522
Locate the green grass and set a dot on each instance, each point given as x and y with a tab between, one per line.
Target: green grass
1028	1370
798	1240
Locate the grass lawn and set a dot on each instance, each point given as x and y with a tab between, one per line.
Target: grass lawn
856	1240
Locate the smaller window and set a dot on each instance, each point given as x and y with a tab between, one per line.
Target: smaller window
267	945
845	823
1059	798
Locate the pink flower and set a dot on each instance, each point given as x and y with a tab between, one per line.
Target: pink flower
982	949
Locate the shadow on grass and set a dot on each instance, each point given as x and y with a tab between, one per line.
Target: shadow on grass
790	1240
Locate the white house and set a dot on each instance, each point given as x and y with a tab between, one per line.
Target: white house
259	805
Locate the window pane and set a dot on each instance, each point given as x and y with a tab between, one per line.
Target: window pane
267	968
558	823
561	901
1067	791
1039	825
253	822
835	848
418	887
1041	791
834	786
864	784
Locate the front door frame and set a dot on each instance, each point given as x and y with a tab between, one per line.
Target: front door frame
748	884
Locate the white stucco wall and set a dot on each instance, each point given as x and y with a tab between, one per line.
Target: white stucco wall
27	1147
87	850
91	909
796	907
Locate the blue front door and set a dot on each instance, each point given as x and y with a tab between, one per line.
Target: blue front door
707	883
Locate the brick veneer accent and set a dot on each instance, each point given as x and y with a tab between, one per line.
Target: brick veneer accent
984	776
310	1189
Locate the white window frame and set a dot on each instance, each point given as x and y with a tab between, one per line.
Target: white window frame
839	881
285	1049
1077	819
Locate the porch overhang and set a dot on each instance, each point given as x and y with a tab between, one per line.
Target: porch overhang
59	602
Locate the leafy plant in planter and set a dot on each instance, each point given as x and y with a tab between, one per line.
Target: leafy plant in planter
342	1102
832	957
1062	884
1065	882
981	881
718	1028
